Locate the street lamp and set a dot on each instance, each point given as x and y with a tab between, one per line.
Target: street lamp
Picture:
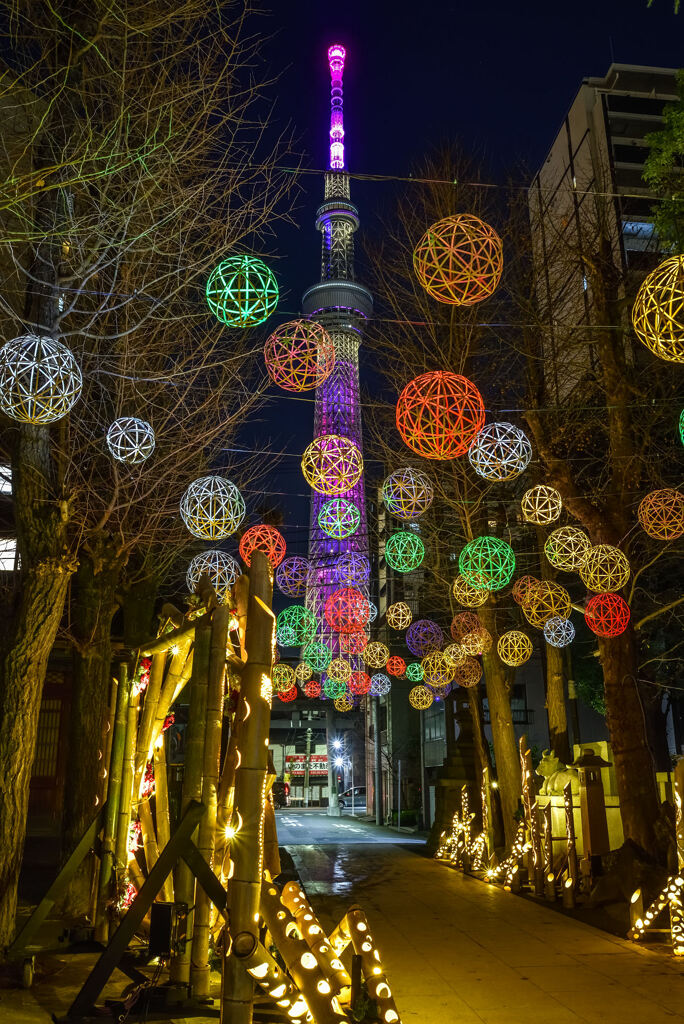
342	762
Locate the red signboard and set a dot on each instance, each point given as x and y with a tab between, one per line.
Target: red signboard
295	764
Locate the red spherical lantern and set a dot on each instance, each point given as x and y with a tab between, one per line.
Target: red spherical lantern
459	260
312	688
354	643
607	615
360	683
396	666
299	355
347	610
263	538
522	589
288	695
439	414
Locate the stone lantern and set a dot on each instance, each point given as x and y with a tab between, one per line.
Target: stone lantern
593	807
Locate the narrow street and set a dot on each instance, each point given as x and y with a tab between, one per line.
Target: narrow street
457	950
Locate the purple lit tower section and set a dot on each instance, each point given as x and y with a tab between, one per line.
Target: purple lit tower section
341	304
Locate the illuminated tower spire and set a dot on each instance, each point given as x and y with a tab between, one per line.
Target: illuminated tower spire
341	304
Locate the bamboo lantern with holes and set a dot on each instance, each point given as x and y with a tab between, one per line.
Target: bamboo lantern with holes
545	600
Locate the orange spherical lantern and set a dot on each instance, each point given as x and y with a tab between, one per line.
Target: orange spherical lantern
661	514
607	615
439	414
347	610
263	538
459	260
312	688
395	666
522	589
360	683
468	673
299	355
353	643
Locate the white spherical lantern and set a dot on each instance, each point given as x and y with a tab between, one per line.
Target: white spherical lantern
222	570
559	632
130	440
39	379
212	508
501	451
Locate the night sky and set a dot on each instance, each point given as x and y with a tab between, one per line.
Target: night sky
497	76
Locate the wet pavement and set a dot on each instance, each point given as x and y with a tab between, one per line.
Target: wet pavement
459	951
302	827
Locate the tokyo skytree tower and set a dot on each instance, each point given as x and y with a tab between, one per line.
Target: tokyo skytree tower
341	304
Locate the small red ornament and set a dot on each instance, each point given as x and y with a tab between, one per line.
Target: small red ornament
312	688
439	414
607	615
360	683
288	695
396	666
263	538
347	610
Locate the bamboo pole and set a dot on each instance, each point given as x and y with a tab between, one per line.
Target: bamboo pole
161	809
127	773
150	848
106	758
250	780
199	971
294	898
147	718
257	961
371	965
113	793
179	671
184	881
176	638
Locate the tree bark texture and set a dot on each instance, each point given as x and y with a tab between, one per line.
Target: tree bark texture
555	704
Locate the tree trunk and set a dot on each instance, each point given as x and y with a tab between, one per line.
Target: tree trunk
41	527
555	704
503	731
93	607
634	767
483	759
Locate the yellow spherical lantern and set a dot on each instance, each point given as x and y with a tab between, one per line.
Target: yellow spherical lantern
420	697
339	670
661	514
283	678
514	648
658	312
459	260
437	669
303	672
544	601
376	654
343	704
399	615
455	655
566	548
479	641
467	594
541	505
332	464
605	569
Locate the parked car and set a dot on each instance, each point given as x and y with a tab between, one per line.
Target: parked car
359	805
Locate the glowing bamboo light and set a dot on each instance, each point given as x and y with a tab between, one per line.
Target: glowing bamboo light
661	514
501	451
407	493
399	616
299	355
566	548
545	600
212	508
514	648
468	594
541	505
241	291
332	465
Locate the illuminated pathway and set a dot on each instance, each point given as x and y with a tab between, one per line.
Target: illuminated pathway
460	952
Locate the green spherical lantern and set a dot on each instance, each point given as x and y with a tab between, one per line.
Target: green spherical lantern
414	672
333	688
295	626
242	291
339	518
487	558
681	426
404	551
318	655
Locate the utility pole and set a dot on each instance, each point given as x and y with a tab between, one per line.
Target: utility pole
307	766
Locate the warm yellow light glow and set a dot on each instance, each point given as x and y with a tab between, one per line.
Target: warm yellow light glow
260	971
278	991
308	961
323	987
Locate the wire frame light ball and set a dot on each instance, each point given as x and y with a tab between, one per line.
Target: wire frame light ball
241	291
424	636
312	688
347	610
332	464
212	508
373	611
439	690
263	538
455	654
395	666
681	426
501	451
221	569
514	648
292	575
404	551
522	589
380	685
459	260
351	569
439	414
414	672
343	704
559	632
468	673
339	518
464	623
487	558
295	626
407	493
661	514
607	615
658	312
566	548
340	670
541	505
420	697
437	669
376	654
605	568
299	355
399	615
282	677
544	601
318	655
288	695
353	643
466	594
334	688
130	440
359	684
40	380
303	671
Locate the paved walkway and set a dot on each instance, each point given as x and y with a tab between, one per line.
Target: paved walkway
314	827
458	951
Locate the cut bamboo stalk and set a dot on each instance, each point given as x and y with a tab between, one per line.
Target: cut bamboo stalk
161	808
184	880
371	965
178	673
256	960
147	718
176	638
127	774
150	848
112	809
199	972
109	735
294	898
